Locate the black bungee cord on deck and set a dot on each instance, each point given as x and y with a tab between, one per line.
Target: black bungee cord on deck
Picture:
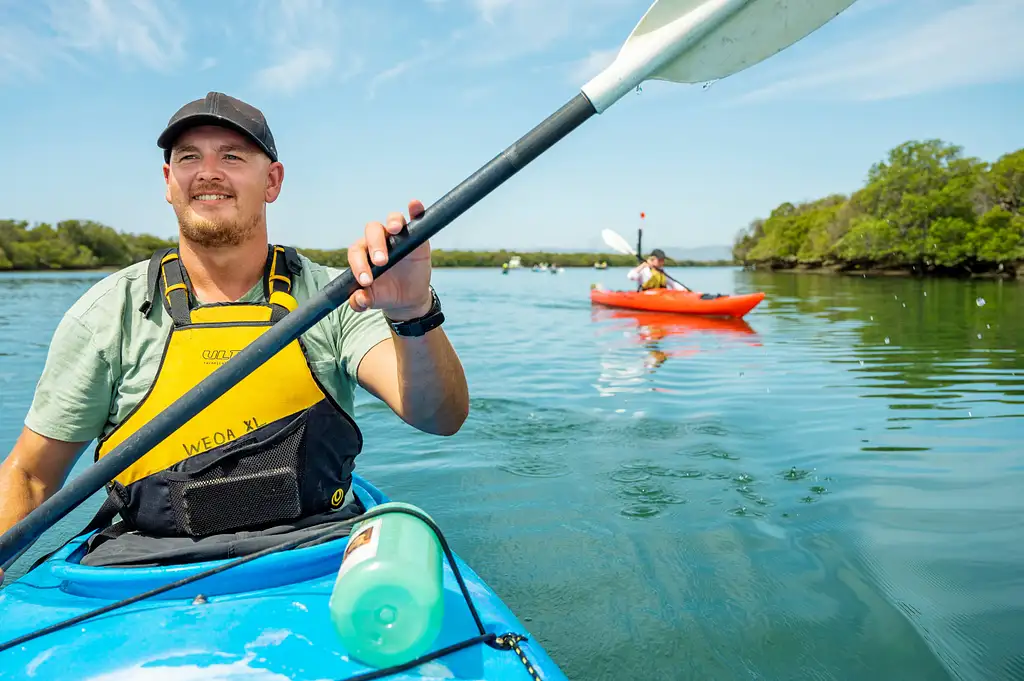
509	641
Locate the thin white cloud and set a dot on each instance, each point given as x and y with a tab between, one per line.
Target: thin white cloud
307	37
509	30
929	49
489	9
137	30
21	52
503	31
299	69
35	34
428	52
583	70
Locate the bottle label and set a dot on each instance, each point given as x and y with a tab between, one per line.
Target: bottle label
362	545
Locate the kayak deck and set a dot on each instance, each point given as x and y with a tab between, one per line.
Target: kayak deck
679	302
266	619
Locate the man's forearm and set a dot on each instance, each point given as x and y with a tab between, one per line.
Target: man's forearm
20	494
432	388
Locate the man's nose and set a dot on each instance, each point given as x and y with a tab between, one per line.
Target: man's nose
210	169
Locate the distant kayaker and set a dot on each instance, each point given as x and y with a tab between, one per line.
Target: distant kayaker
277	451
651	274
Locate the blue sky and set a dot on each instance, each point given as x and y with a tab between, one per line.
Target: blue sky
373	102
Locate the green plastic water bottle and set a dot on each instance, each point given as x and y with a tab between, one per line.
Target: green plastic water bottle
388	599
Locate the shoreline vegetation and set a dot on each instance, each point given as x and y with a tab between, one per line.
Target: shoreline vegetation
927	210
84	245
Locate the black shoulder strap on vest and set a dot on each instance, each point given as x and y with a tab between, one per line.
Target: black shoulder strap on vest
283	264
166	279
174	291
152	280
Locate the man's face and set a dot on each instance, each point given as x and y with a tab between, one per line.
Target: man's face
219	184
656	261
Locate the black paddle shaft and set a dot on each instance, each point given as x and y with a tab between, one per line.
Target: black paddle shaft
457	201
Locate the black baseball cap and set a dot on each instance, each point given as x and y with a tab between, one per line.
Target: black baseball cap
658	253
220	109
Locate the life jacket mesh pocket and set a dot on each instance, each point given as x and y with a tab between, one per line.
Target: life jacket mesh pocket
255	487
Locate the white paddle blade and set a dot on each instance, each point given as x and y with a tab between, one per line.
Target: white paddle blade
695	41
616	242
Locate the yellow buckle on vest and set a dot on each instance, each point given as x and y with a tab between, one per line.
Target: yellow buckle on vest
284	300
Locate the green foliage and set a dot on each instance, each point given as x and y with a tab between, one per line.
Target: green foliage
77	244
73	244
925	207
747	239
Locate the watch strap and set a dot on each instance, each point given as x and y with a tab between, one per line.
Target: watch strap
420	325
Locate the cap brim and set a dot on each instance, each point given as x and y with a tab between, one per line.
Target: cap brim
166	139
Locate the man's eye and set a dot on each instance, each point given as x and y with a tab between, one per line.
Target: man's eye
233	157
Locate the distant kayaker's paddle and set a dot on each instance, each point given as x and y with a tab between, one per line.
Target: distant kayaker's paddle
679	41
614	240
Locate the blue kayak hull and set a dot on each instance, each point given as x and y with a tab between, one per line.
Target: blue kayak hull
267	619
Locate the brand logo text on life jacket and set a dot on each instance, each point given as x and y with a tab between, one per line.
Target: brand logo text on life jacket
218	355
220	437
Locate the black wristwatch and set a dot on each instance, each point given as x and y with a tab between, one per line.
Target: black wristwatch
420	325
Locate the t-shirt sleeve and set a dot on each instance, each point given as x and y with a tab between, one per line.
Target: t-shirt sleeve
358	332
72	398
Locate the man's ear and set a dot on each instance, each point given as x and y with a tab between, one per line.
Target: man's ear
275	179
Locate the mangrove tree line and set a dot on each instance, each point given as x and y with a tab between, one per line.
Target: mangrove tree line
927	208
83	245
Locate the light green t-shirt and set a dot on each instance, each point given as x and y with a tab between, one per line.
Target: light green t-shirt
104	354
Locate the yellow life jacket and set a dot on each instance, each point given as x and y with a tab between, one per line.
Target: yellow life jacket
656	280
275	447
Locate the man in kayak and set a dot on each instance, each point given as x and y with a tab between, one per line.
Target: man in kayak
277	450
651	274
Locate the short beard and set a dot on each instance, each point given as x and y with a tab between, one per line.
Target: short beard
209	234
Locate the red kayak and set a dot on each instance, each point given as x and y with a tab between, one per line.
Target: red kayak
681	302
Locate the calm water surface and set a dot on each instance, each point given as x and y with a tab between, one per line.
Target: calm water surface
823	492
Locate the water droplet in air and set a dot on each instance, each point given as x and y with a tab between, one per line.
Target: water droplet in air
904	304
925	294
886	340
872	317
970	414
979	336
988	326
980	301
862	362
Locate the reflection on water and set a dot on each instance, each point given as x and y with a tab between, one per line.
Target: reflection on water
826	490
655	331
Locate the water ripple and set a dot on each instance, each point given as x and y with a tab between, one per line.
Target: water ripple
800	496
